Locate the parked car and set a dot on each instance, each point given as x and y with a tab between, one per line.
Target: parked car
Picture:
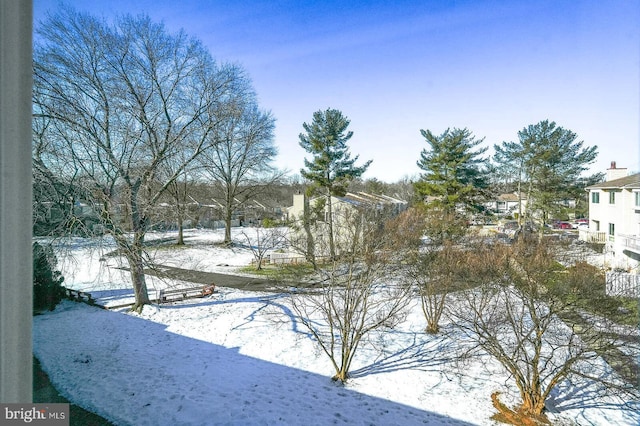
581	223
562	225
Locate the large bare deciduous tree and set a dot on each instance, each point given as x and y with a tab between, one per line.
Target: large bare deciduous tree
124	103
240	165
433	268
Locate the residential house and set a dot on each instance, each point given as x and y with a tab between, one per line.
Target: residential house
508	204
342	208
349	201
614	218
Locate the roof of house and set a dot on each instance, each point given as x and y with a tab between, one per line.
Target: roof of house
511	196
364	198
627	182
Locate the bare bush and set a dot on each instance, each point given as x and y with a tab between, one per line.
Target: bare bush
514	315
357	292
265	240
435	274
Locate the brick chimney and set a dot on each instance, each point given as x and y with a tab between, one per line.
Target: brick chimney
615	173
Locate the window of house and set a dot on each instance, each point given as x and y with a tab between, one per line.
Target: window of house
612	229
595	197
612	197
597	225
637	199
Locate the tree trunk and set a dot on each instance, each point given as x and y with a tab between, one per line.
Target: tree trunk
533	403
340	376
332	247
228	214
310	251
515	417
139	283
227	227
343	372
432	327
134	252
180	240
520	219
432	307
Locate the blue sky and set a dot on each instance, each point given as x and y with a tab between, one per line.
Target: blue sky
394	68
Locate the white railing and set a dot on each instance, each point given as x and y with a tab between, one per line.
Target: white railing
283	258
630	242
623	284
592	236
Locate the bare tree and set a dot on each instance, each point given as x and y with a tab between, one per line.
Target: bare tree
514	315
266	239
123	101
434	272
434	269
241	163
178	190
53	198
357	292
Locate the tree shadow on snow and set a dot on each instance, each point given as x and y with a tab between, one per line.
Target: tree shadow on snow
419	351
134	371
268	301
589	394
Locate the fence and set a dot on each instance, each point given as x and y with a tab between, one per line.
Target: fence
623	284
283	258
592	236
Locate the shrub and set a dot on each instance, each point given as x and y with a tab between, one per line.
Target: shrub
47	282
269	223
597	247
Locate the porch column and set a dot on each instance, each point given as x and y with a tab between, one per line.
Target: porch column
15	202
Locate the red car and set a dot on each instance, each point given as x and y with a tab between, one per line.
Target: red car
562	225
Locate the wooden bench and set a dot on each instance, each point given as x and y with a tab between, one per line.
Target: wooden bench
80	296
172	295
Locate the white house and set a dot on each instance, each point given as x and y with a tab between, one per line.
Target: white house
614	218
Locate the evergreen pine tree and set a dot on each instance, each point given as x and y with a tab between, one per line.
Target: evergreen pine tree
331	167
47	281
551	161
454	171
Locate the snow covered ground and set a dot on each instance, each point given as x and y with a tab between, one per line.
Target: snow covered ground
241	358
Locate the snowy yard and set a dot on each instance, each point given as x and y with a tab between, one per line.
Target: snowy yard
242	358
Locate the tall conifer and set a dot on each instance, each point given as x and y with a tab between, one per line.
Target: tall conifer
331	167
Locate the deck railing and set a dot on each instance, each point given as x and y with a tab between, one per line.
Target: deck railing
623	284
630	242
592	236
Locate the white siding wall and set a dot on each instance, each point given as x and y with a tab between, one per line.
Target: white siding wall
624	216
